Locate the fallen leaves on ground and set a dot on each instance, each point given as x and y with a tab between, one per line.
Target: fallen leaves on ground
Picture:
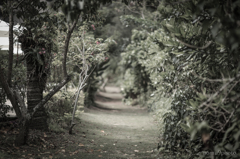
90	150
80	145
150	151
74	153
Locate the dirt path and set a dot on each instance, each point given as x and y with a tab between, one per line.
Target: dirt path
113	130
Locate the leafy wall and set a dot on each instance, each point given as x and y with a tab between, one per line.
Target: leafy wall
189	65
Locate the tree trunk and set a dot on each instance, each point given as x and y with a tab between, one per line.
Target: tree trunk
66	45
35	87
10	56
23	133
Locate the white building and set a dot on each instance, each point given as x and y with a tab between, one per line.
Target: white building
4	41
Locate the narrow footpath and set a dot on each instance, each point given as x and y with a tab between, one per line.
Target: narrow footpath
114	130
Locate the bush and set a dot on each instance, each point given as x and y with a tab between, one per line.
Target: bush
192	59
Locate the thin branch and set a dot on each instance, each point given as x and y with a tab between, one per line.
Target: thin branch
49	95
214	128
227	121
224	110
80	85
132	10
144	8
220	90
230	90
194	47
83	76
142	14
92	70
214	80
10	94
15	7
66	45
215	94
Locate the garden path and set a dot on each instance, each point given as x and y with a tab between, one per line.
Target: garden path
114	130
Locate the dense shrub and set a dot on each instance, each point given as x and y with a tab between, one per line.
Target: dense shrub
192	60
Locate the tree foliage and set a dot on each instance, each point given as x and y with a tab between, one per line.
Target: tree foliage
192	58
37	41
